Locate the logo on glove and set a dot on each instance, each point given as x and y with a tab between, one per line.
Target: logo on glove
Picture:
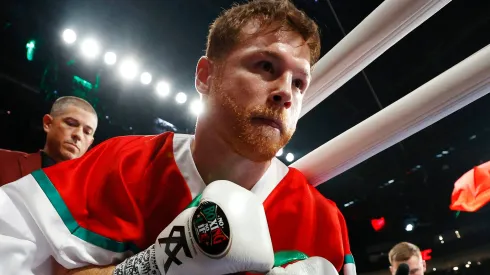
180	243
211	230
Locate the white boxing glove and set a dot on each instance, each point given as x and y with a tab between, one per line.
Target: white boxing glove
310	266
225	233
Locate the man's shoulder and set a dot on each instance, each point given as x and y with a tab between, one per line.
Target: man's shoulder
299	180
135	141
152	147
11	155
115	151
15	164
149	138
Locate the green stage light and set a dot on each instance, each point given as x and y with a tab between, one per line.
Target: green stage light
31	47
84	83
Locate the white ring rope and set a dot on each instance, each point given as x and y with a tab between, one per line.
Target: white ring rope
380	30
450	91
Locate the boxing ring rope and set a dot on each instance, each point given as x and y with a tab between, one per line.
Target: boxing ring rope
380	30
450	91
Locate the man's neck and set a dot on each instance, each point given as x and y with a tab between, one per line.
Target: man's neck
215	160
46	159
50	154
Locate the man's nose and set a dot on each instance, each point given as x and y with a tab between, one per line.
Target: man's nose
77	134
282	94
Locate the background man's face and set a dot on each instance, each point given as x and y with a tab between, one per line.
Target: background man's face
70	134
416	265
256	95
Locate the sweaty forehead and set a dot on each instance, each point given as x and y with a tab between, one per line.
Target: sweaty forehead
275	38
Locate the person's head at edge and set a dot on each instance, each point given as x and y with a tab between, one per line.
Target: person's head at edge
408	253
70	128
254	75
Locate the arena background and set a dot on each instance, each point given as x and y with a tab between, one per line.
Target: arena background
408	184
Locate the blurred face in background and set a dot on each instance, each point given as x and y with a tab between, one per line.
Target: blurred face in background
415	263
70	133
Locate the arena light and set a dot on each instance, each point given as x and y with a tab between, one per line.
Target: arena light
197	107
145	78
280	152
163	89
82	83
69	36
110	58
30	46
290	157
90	48
181	98
409	227
128	69
349	204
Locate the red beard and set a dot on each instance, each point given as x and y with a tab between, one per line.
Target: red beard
258	143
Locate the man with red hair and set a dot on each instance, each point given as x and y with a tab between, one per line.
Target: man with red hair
218	202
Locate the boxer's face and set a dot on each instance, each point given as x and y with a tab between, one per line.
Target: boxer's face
416	265
69	134
256	92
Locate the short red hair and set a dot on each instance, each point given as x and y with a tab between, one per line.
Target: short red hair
225	31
